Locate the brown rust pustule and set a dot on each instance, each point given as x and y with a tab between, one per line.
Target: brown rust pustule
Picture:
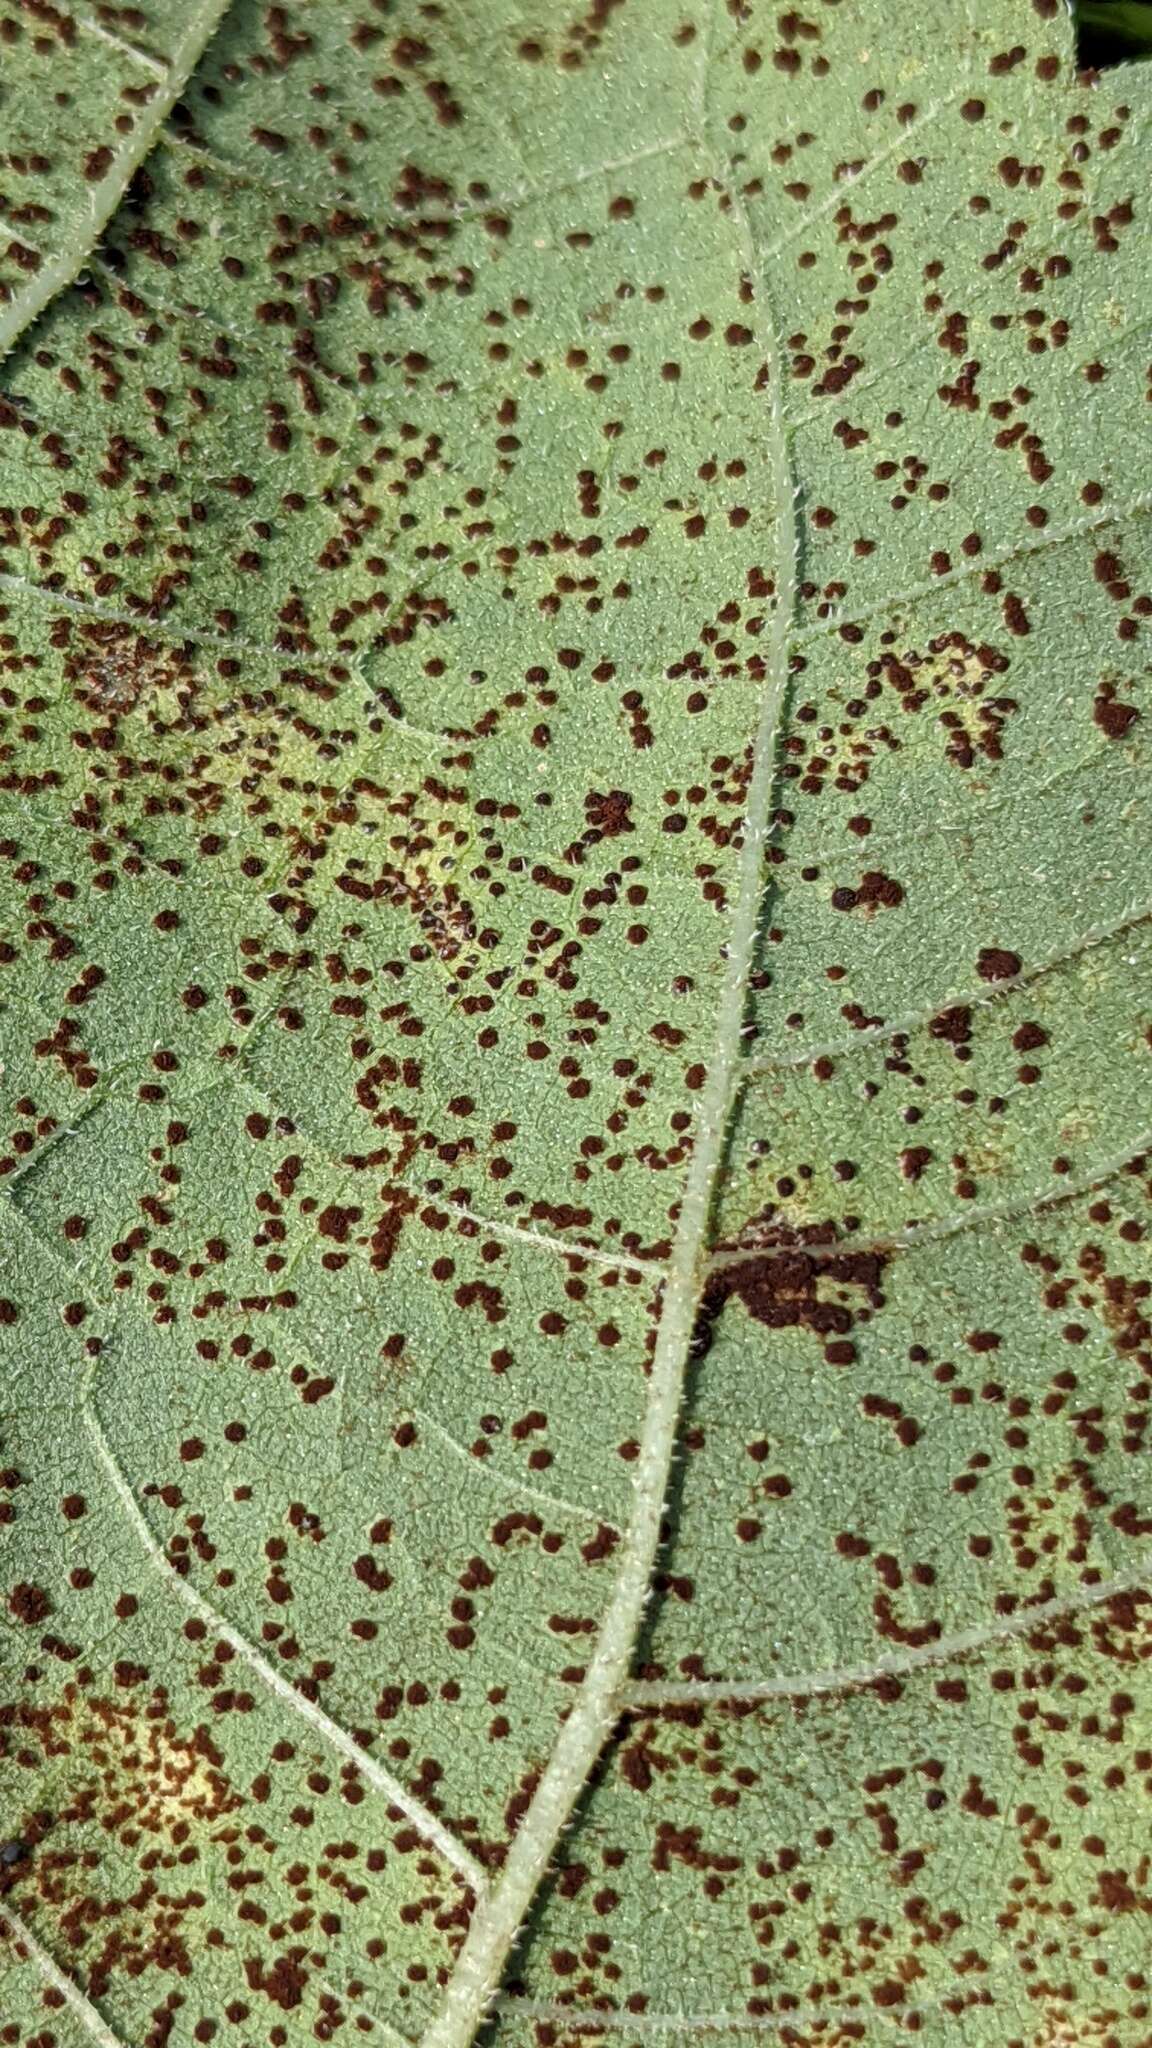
796	1279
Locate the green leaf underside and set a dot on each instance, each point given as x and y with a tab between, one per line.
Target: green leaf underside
396	571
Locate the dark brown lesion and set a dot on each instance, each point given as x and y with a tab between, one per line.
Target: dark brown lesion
795	1278
1110	714
112	667
133	1793
957	678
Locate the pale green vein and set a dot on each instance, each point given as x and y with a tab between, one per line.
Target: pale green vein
983	997
498	1918
102	198
586	2019
899	1664
428	1823
132	51
897	601
70	1994
502	1481
976	1216
836	194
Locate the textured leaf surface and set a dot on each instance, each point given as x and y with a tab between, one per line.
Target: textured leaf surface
574	598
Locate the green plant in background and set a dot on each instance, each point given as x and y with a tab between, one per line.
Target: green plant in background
575	943
1111	31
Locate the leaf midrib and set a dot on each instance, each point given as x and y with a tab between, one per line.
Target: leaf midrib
498	1919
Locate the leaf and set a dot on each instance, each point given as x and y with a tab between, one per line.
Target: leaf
70	177
576	1032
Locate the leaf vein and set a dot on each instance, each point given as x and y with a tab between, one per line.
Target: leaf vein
959	1222
104	197
854	180
983	997
851	1677
496	1923
429	1825
895	600
77	2003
